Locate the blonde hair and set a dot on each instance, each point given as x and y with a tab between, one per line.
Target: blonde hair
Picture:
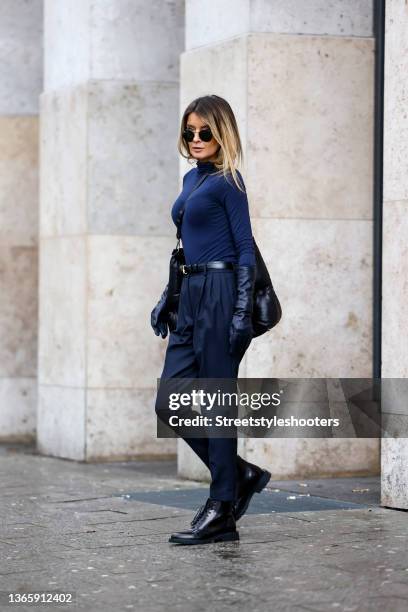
219	117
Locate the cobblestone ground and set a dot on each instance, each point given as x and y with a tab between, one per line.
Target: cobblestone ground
66	527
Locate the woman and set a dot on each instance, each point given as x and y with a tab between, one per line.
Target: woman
214	326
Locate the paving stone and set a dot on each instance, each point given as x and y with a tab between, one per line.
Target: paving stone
68	525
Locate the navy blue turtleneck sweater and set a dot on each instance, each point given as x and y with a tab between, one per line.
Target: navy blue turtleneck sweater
216	223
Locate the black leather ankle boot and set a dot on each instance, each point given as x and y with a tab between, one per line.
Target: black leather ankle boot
197	515
215	523
251	479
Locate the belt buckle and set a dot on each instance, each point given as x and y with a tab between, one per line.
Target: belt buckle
183	269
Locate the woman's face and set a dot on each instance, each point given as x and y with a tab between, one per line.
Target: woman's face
199	149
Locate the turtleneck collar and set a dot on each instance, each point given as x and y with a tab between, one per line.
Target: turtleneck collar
205	166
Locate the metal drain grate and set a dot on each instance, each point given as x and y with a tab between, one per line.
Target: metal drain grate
263	503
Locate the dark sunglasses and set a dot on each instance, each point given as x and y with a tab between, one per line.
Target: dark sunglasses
204	134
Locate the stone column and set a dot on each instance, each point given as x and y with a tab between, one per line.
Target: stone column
109	174
20	86
394	451
300	78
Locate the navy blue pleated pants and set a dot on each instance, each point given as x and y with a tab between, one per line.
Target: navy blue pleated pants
199	348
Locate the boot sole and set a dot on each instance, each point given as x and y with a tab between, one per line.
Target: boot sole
230	536
260	485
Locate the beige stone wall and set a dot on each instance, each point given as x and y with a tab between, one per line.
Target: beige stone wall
394	451
20	84
116	77
106	233
304	101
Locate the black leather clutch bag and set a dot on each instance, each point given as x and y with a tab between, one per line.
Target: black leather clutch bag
177	258
175	281
267	310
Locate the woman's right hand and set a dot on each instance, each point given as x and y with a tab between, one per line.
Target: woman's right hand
159	316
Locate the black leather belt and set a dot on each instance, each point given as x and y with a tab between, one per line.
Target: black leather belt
191	268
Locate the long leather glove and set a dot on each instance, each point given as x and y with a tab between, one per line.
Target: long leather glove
160	315
241	331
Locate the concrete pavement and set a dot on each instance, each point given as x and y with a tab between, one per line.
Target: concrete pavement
101	531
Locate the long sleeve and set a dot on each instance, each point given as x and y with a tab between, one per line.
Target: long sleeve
216	224
237	208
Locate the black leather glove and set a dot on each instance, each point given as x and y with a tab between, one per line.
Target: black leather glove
160	316
241	331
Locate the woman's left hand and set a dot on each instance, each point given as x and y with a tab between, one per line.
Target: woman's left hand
241	331
240	336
